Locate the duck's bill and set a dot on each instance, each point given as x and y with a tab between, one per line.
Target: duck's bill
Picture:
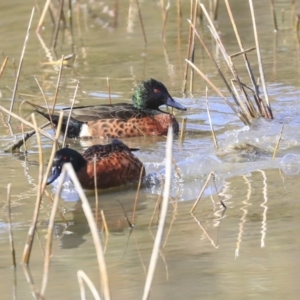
171	102
55	172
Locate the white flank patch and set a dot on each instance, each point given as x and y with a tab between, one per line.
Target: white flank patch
84	132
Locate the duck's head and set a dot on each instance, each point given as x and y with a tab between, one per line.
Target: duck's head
62	156
151	94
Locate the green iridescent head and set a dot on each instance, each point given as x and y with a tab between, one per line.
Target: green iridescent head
151	94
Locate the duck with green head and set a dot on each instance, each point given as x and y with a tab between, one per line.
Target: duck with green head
142	117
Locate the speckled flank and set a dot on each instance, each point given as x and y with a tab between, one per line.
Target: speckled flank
114	128
116	169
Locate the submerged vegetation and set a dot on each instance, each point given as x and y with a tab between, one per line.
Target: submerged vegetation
247	96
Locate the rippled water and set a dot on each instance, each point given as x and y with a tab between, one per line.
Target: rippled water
249	251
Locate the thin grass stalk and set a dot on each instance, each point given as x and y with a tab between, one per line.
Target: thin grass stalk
20	66
48	248
182	132
81	276
70	18
96	189
259	60
31	231
108	89
137	195
202	191
94	230
44	97
165	17
157	204
189	47
10	232
247	63
141	21
57	83
240	113
70	112
57	25
215	10
192	57
273	12
104	224
278	142
179	25
210	122
163	215
3	66
41	20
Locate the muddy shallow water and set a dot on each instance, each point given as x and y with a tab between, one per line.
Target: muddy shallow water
250	251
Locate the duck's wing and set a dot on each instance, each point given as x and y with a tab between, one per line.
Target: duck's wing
121	111
101	151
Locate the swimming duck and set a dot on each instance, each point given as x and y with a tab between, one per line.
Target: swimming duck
143	117
115	165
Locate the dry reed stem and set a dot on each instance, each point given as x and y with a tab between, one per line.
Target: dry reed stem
19	143
177	170
3	66
278	142
137	195
94	229
141	21
45	99
48	248
204	231
163	215
26	122
104	223
182	132
215	9
57	83
96	190
189	48
10	232
57	25
157	204
179	24
20	66
175	207
273	12
202	191
31	231
108	89
34	290
165	17
41	20
81	276
259	60
210	122
70	112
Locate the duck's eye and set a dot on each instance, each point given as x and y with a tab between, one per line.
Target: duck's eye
156	91
64	158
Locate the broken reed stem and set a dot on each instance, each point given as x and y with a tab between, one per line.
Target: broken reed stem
26	123
273	12
137	195
141	21
57	83
259	60
31	231
3	66
163	215
165	17
20	66
210	122
278	142
81	276
70	112
182	132
10	232
108	89
202	191
41	20
96	191
67	168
